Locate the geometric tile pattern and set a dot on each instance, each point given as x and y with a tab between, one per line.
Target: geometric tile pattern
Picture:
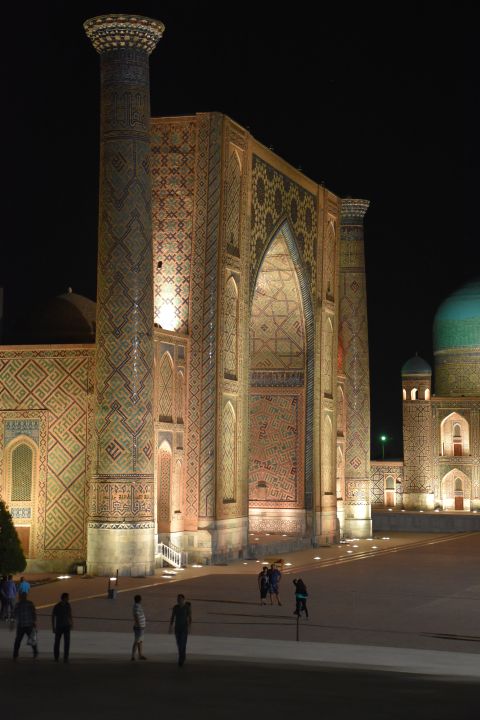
230	329
124	338
277	329
277	444
276	197
60	382
209	338
457	372
196	319
232	200
378	475
173	178
165	388
22	467
229	459
353	332
417	446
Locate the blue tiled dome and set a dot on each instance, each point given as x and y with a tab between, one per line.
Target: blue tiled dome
457	321
416	366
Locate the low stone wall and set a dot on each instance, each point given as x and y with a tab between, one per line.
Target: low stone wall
428	522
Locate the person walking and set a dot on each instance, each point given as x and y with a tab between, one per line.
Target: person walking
263	585
62	623
182	617
3	597
23	586
139	623
301	595
11	595
274	576
26	618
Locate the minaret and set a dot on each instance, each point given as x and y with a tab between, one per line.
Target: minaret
354	337
417	435
121	497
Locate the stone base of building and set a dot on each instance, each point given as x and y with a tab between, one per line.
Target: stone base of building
327	529
418	501
341	517
358	527
217	541
116	546
62	566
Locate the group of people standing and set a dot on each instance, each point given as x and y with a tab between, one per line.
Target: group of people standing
25	615
269	584
8	595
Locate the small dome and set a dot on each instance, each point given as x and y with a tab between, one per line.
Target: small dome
457	320
68	318
416	366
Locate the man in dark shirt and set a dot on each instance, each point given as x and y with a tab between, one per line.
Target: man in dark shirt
26	619
182	616
62	623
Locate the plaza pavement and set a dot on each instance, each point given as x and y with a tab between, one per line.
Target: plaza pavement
403	603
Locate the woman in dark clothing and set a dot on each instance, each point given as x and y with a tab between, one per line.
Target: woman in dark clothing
301	595
263	585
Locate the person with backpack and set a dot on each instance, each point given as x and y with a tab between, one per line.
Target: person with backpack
301	595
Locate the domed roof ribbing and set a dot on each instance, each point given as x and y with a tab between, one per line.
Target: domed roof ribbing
457	320
416	366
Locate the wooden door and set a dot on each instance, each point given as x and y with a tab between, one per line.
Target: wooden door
390	498
458	502
24	537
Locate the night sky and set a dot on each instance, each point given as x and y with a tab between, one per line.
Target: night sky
380	104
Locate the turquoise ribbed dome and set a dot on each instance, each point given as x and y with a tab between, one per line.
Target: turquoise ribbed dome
416	366
457	321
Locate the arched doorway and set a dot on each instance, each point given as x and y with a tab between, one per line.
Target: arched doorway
280	402
456	491
21	472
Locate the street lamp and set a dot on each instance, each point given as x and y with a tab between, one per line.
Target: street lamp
383	440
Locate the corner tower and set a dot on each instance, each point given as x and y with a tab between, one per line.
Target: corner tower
417	435
354	337
121	513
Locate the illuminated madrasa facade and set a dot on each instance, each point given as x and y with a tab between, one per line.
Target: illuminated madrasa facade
441	430
220	385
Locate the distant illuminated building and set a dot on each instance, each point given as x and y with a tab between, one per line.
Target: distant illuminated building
441	431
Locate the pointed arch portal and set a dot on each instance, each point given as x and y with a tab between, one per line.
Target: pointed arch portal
281	357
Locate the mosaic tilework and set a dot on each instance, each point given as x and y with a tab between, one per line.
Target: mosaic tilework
230	330
165	388
457	372
196	320
329	262
277	330
200	485
60	382
276	449
125	500
229	453
354	337
124	382
173	184
164	477
417	446
232	191
275	197
378	475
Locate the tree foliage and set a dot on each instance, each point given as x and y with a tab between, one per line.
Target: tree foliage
12	557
